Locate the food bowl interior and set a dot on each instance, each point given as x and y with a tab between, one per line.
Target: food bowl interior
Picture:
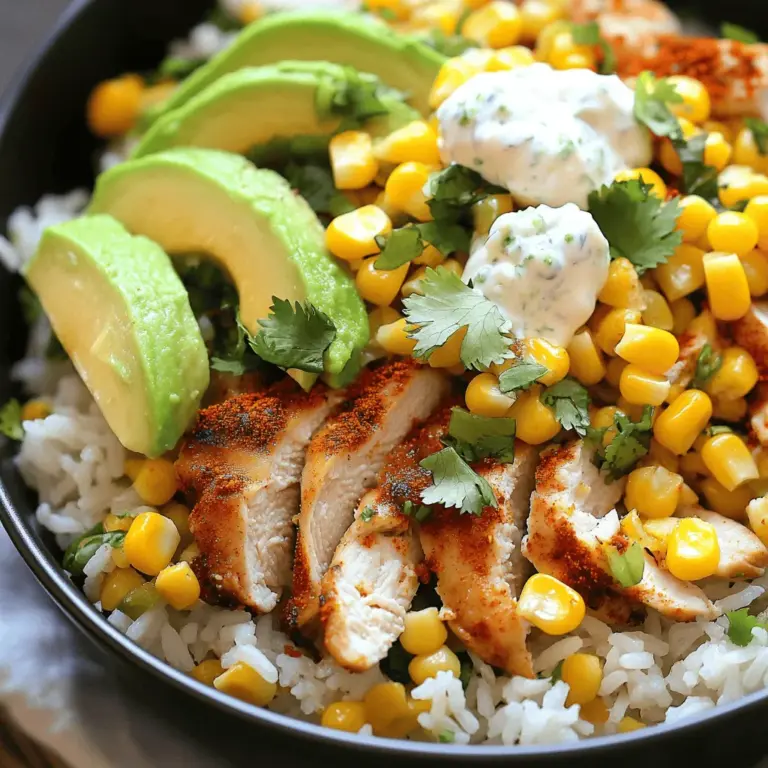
45	146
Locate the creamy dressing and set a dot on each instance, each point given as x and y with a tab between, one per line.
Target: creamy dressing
547	136
543	267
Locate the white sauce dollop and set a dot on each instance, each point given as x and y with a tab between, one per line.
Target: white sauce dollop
543	267
547	136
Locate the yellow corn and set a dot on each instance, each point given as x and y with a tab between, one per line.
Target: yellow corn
496	25
179	514
680	424
353	235
717	151
647	176
628	724
379	317
250	12
151	542
586	360
639	387
657	312
119	558
732	504
668	156
484	398
609	328
757	210
438	14
116	585
415	142
693	551
132	466
692	466
155	482
727	286
613	371
379	286
564	53
207	671
653	491
595	712
659	530
423	667
424	632
746	151
489	209
352	160
34	410
683	311
727	409
405	189
452	74
649	348
391	712
178	586
394	339
695	215
449	355
512	57
755	265
757	514
553	358
430	257
622	288
245	683
117	522
553	607
695	105
733	232
729	460
536	423
683	273
583	672
663	456
736	376
114	105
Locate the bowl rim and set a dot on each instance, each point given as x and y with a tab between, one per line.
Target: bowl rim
75	606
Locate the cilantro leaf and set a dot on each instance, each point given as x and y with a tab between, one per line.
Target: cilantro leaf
740	626
315	184
629	444
589	34
367	514
636	224
456	484
445	236
448	45
82	549
420	513
178	67
10	420
652	97
698	178
708	363
626	567
759	130
521	375
294	337
448	304
454	189
557	671
446	737
399	247
739	34
355	96
570	402
481	437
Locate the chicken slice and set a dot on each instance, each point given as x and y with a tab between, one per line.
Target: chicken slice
751	332
742	554
343	461
701	331
572	518
480	568
241	466
758	413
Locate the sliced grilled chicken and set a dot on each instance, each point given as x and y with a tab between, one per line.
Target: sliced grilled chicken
702	331
751	332
226	385
479	566
241	466
572	518
737	72
758	413
343	461
742	554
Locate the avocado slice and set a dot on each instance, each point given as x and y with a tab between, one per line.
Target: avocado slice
251	222
123	316
255	105
356	40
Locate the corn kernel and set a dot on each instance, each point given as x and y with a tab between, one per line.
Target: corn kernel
116	585
504	59
117	522
352	160
415	142
733	232
379	286
668	156
727	286
424	632
663	456
178	586
746	151
583	672
536	423
179	514
693	551
438	14
189	554
613	371
113	106
639	387
727	409
695	216
604	417
622	288
586	360
34	410
155	482
683	311
729	460
736	376
496	25
651	349
394	339
757	210
245	683
553	607
405	189
484	398
132	466
595	712
657	312
659	530
628	724
452	74
489	209
353	235
719	499
692	466
755	266
717	151
648	177
207	671
119	557
536	15
449	355
653	491
566	54
151	542
680	424
423	667
553	358
383	704
609	327
757	514
683	273
695	105
250	12
379	317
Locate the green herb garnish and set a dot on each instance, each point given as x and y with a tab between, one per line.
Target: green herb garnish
10	420
626	567
708	363
570	402
740	626
481	437
589	34
628	446
652	99
456	484
739	34
522	375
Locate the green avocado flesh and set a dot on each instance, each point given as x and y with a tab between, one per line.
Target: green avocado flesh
255	105
123	316
358	41
248	220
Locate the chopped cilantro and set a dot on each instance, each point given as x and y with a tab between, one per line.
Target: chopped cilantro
294	337
178	67
636	224
367	514
589	34
82	549
354	96
420	513
448	304
570	402
557	671
446	737
481	437
456	484
718	429
739	34
455	189
521	375
698	178
447	237
314	183
626	567
759	130
629	444
652	97
467	669
448	45
708	363
740	626
10	420
399	247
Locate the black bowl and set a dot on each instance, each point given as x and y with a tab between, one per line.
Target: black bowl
44	146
